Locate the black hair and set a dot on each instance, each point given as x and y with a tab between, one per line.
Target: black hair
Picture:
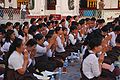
8	34
16	44
74	17
74	23
68	18
118	39
16	24
93	19
45	19
50	17
32	20
8	24
38	36
117	28
40	19
100	21
63	20
56	22
57	29
73	27
31	42
95	42
82	21
49	35
39	26
87	19
26	23
32	30
105	28
48	23
64	28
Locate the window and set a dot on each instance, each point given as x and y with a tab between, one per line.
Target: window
51	4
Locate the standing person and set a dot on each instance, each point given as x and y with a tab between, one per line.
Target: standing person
101	7
1	9
23	11
10	11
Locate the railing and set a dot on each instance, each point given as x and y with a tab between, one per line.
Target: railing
10	13
107	14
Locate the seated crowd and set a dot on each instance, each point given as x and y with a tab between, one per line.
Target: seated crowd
45	43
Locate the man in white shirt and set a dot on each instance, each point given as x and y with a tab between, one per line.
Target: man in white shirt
23	10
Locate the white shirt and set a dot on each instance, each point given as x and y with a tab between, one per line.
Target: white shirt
15	61
2	5
23	38
60	47
5	47
79	37
49	52
67	26
72	39
40	50
112	41
23	7
90	66
16	33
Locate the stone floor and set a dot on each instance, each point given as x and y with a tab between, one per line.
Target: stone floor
73	72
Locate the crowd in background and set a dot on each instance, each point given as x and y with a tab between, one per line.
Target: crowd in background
44	44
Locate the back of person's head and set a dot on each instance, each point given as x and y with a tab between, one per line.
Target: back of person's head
74	23
8	35
68	18
73	27
49	35
32	30
105	28
117	28
82	21
95	42
31	42
118	39
16	44
93	19
32	20
38	36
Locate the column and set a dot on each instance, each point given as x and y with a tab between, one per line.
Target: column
58	7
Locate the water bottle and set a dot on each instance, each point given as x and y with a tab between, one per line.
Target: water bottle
52	78
72	57
59	73
78	54
65	65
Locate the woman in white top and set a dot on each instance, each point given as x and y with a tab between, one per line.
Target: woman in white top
91	66
9	38
25	36
18	62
